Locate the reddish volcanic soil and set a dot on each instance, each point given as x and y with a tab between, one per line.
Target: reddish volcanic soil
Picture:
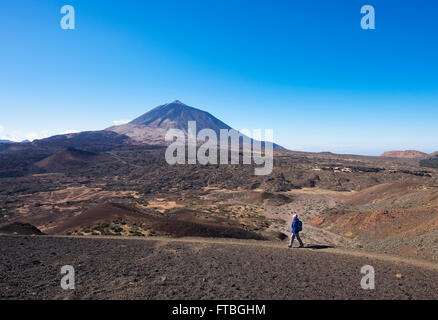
180	223
394	217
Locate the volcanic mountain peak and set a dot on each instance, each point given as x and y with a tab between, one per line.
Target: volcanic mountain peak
152	126
177	115
408	154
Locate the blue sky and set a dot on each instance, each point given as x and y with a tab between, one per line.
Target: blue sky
304	68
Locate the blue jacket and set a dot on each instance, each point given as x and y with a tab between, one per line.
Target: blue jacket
295	228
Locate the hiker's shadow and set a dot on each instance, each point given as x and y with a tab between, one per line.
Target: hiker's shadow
318	247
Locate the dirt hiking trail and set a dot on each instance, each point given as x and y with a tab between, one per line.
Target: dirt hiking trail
193	268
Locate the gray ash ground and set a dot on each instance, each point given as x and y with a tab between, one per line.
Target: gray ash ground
108	268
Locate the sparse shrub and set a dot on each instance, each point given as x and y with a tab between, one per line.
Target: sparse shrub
116	229
432	163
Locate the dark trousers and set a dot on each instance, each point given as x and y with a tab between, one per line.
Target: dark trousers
292	237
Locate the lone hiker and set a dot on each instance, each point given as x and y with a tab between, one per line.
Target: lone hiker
297	226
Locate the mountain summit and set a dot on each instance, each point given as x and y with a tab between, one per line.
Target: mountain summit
152	126
177	115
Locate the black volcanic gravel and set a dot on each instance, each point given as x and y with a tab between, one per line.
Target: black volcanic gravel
176	269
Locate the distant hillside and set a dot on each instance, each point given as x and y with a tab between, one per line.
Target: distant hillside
69	158
431	161
87	140
398	217
10	141
434	155
20	228
408	154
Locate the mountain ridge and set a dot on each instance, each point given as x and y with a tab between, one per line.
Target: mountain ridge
407	154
